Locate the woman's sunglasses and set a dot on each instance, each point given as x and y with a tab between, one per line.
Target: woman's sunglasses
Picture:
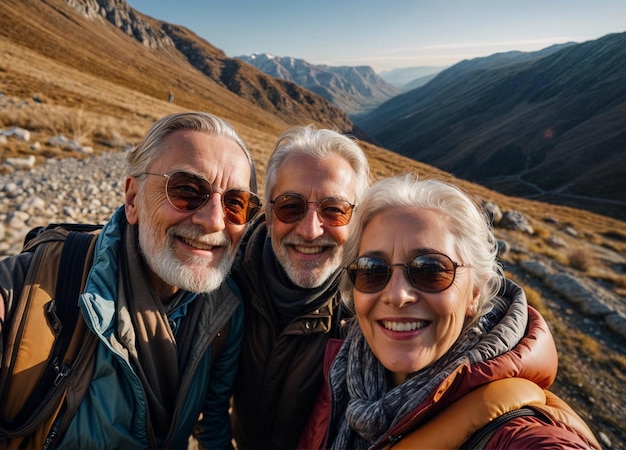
188	192
429	272
290	208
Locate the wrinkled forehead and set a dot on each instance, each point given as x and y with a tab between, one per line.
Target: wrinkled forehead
315	178
218	159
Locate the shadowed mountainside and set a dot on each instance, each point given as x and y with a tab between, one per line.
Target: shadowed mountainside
549	125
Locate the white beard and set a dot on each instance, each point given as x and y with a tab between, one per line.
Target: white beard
194	273
307	275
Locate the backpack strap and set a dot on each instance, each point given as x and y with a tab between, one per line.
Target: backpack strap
471	412
479	439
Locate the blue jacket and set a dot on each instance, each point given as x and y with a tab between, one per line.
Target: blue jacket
114	413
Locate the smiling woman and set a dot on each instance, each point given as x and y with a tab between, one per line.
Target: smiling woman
437	326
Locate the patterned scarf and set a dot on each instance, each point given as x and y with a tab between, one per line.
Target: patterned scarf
360	387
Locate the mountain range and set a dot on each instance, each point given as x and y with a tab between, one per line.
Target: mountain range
353	89
548	125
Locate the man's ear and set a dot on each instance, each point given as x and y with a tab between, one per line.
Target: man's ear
130	201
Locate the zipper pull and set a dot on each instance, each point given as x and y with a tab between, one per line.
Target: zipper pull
49	440
62	370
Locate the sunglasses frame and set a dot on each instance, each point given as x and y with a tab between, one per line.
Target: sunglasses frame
352	278
320	212
249	216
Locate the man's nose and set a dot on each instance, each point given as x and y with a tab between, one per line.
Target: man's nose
311	225
211	215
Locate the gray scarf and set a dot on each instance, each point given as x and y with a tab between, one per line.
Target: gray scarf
366	406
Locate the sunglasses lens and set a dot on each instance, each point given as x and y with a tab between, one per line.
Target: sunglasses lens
368	275
186	191
289	208
240	206
335	213
431	272
428	273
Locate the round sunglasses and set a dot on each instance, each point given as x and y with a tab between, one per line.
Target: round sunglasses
290	208
428	272
188	192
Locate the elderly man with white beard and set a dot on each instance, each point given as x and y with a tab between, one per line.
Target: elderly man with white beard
158	295
288	274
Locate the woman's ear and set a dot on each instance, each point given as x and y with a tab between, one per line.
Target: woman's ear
472	306
130	201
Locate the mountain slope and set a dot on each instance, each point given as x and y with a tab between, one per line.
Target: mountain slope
549	125
353	89
155	58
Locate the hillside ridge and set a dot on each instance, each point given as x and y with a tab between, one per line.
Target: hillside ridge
549	125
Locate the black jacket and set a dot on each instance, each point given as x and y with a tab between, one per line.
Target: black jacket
280	371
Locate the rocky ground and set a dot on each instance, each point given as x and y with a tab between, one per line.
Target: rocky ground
89	190
63	190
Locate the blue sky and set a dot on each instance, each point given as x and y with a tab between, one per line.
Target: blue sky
392	33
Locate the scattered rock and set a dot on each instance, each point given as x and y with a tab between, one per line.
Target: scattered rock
22	163
556	242
515	220
617	323
535	268
503	248
21	134
589	301
493	212
604	440
63	190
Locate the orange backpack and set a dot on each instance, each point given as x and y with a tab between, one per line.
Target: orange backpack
47	347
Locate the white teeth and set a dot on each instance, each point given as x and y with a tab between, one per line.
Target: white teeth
309	250
403	326
197	244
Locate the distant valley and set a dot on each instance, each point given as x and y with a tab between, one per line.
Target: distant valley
547	125
353	89
407	78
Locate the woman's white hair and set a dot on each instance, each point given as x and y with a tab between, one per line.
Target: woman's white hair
474	238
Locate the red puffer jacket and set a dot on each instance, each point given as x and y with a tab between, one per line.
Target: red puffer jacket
475	394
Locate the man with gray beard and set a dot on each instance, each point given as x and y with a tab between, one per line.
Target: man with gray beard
288	273
158	294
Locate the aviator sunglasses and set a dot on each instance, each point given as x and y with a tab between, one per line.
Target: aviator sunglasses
290	208
188	192
428	272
